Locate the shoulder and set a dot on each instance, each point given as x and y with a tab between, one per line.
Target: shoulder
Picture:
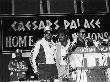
37	45
38	42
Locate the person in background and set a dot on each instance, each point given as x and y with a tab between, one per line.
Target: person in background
43	57
107	71
17	67
108	40
82	39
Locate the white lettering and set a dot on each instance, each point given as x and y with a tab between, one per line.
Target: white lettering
19	41
100	36
73	25
78	22
86	24
48	23
56	25
28	25
34	24
15	41
91	23
98	23
94	36
21	26
22	41
14	25
8	41
66	24
41	25
30	40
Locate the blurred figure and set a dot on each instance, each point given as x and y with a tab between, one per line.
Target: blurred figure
108	41
17	67
108	69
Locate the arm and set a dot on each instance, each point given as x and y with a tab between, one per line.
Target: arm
34	54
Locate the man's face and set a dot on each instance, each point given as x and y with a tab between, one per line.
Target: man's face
82	33
48	35
62	37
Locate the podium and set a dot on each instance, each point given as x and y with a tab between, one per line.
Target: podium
91	57
92	62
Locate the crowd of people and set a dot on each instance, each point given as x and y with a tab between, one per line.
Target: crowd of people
51	61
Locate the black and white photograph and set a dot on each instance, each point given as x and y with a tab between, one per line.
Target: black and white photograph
54	40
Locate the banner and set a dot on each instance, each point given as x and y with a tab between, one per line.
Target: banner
23	31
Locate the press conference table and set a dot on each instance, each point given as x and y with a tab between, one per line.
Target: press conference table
91	63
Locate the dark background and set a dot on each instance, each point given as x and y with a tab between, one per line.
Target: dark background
23	7
56	6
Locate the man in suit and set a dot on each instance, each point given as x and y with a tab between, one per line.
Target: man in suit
82	40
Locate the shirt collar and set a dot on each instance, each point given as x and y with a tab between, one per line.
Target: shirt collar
68	42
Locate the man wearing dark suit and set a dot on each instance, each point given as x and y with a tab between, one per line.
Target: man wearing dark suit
82	41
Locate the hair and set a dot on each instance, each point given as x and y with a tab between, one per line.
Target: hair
79	28
63	30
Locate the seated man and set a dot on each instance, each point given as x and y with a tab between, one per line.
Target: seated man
17	67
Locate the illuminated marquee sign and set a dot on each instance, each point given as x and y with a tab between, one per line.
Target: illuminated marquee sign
23	32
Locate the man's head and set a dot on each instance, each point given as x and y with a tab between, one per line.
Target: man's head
18	53
47	33
82	33
62	34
